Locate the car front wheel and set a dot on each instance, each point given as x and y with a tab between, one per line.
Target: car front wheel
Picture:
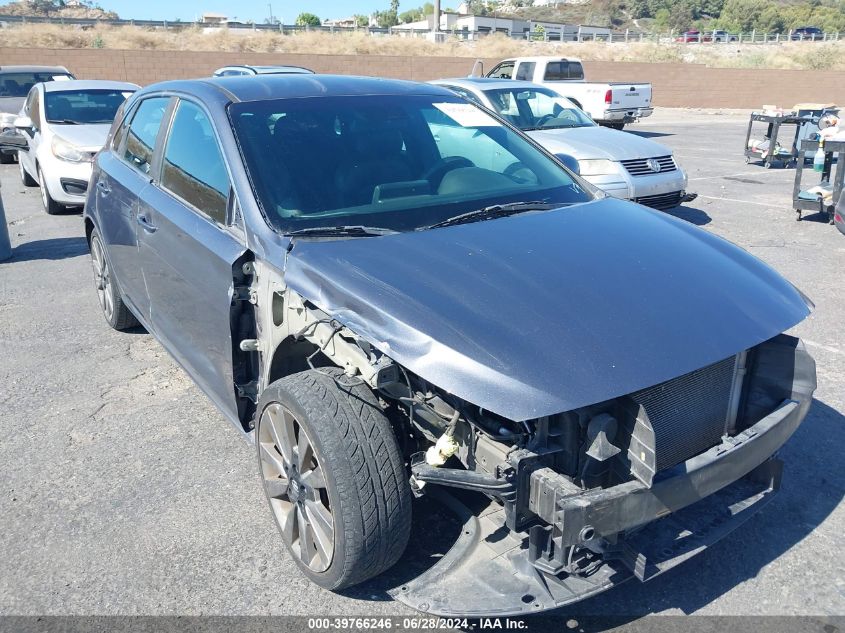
334	476
50	206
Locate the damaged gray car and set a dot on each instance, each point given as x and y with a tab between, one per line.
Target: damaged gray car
385	319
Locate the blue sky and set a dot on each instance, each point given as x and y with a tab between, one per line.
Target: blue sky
243	10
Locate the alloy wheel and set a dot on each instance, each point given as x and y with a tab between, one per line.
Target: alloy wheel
102	278
296	486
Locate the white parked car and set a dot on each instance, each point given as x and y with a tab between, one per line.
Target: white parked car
65	123
621	164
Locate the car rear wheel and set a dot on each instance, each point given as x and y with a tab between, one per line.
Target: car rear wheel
334	476
6	159
116	313
50	206
26	179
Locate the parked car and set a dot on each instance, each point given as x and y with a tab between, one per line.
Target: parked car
234	71
693	36
65	124
722	36
812	33
376	314
839	214
620	164
612	104
15	84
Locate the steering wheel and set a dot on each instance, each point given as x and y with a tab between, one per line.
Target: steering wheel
544	119
435	173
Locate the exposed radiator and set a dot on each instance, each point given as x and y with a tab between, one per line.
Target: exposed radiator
689	413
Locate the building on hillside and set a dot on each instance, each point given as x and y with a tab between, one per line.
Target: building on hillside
214	18
471	26
349	22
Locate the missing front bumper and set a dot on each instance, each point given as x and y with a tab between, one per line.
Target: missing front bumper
630	530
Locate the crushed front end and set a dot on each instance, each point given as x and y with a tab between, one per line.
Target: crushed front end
585	499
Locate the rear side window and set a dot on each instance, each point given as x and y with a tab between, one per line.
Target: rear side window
194	168
557	71
525	72
143	130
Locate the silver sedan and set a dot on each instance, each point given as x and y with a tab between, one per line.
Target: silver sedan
619	163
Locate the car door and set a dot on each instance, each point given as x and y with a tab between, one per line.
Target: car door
122	173
188	250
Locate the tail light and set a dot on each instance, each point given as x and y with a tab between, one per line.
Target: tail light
608	97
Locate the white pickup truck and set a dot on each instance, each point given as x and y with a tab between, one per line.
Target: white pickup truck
612	104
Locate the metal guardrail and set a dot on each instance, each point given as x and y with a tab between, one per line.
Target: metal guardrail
705	38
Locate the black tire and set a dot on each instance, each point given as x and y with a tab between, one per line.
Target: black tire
115	311
6	159
366	484
616	125
26	179
50	206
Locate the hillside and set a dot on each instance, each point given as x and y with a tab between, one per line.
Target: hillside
57	9
771	16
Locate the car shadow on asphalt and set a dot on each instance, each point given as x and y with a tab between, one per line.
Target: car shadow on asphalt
50	249
792	515
691	214
645	134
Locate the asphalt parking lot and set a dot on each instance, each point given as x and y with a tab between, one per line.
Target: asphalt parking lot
123	491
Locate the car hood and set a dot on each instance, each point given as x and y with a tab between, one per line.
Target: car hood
598	142
541	313
87	137
11	105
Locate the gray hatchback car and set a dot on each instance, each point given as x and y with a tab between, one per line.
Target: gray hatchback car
597	389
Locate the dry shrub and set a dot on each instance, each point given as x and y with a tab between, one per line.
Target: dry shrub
787	55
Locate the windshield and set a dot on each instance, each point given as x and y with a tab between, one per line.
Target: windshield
83	106
537	108
399	162
19	84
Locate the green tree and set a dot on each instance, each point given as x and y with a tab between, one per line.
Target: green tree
307	19
361	20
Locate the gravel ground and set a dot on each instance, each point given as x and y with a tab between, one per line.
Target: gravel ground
123	491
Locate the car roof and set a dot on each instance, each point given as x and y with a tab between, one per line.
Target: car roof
291	86
269	70
543	58
88	84
485	83
58	70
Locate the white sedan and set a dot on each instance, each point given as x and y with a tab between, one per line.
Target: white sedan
621	164
65	123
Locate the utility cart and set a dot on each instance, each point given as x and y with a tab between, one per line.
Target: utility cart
772	154
821	197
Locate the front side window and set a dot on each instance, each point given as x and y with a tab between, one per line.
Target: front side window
397	162
502	71
143	130
32	108
193	166
18	84
537	108
83	107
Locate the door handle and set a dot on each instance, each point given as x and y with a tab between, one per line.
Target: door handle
145	223
103	187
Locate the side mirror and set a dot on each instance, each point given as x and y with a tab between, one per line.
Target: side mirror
11	140
24	123
570	162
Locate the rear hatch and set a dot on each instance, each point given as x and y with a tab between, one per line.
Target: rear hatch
628	96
